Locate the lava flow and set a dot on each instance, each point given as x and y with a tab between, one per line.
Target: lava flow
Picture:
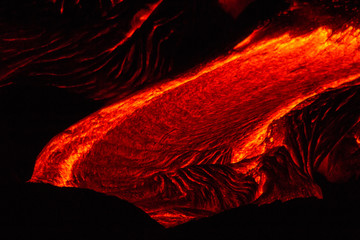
251	127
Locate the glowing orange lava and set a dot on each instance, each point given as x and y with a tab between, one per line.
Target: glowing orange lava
191	147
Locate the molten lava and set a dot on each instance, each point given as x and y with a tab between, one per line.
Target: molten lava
247	128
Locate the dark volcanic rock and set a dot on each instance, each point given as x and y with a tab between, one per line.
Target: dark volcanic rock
38	211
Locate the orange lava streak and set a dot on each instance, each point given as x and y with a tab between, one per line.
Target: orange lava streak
255	146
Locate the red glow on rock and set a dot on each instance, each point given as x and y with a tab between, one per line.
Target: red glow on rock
137	22
234	7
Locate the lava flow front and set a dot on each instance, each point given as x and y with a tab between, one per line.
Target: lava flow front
250	127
